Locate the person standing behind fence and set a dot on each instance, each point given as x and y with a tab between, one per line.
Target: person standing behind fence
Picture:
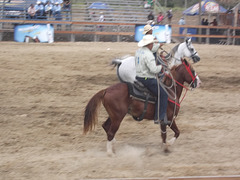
101	19
67	8
160	18
66	5
44	2
182	21
39	10
59	2
214	22
57	13
169	16
49	9
31	12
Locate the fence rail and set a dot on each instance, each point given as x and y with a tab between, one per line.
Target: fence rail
226	34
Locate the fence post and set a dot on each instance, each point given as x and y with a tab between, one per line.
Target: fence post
118	36
233	39
207	33
1	33
95	35
228	36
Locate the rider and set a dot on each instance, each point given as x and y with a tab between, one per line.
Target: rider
146	73
148	29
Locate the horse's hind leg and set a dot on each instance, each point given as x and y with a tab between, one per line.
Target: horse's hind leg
106	125
110	148
111	127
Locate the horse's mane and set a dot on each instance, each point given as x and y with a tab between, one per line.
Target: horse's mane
173	51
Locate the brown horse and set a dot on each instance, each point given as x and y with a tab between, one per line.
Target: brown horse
118	102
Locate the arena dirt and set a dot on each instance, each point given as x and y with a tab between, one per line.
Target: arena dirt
44	89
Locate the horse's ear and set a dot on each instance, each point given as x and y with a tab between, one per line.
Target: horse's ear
188	40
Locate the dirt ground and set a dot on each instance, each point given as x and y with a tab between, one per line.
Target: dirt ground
44	89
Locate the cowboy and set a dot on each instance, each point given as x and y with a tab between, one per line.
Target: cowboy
148	29
147	73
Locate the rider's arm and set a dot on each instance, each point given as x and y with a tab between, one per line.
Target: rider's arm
151	64
156	46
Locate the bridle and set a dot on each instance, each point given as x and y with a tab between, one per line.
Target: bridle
187	66
174	81
193	53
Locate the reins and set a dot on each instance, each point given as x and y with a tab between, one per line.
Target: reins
174	82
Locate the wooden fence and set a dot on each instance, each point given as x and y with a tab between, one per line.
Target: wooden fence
224	34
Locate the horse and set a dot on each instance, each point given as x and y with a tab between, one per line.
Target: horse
126	70
118	101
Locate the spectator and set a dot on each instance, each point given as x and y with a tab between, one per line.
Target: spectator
148	30
39	10
214	22
101	19
57	13
160	18
44	2
66	8
206	22
169	16
49	9
52	1
66	5
58	1
31	12
148	4
203	21
150	16
93	16
181	21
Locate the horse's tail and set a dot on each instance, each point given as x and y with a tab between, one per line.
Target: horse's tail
116	62
91	111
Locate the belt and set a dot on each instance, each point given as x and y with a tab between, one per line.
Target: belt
143	78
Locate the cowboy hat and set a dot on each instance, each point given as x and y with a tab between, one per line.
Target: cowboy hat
147	28
147	39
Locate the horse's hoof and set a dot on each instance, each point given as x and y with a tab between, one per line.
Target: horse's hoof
171	141
111	154
166	148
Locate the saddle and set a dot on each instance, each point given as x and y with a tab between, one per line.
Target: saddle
139	92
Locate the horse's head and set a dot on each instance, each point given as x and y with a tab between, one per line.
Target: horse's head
187	74
191	76
189	51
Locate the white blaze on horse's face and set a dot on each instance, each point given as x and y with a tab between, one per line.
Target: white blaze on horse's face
198	81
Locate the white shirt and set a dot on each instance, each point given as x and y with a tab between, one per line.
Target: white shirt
181	21
145	63
101	18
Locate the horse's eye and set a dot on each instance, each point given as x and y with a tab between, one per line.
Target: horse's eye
191	49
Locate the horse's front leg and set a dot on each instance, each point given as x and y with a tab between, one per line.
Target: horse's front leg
164	137
175	129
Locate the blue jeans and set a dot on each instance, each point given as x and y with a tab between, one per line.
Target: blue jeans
152	85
